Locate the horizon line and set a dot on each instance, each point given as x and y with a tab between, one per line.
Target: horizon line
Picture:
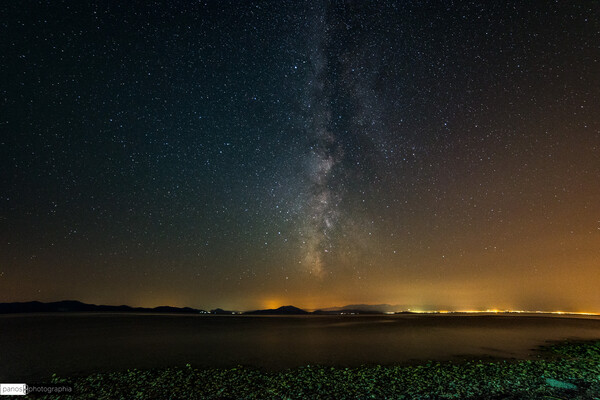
411	310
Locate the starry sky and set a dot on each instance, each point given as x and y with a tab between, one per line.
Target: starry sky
251	154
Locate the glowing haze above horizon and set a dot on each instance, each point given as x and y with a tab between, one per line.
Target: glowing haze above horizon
431	155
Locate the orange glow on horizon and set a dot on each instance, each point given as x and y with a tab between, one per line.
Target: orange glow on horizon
271	303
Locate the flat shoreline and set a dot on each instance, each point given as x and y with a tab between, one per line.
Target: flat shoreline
566	370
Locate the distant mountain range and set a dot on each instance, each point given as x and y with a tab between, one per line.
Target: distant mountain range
291	310
67	306
77	306
380	308
346	311
365	308
285	310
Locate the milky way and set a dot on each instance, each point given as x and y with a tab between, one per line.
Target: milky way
341	110
241	154
322	205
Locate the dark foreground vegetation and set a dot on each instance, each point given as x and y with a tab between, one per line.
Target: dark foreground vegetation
562	371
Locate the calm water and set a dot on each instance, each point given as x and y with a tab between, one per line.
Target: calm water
35	346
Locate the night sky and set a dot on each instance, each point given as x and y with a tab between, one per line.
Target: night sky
251	154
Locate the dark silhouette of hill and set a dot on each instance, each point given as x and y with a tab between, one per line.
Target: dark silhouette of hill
77	306
379	308
345	311
285	310
364	308
220	311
